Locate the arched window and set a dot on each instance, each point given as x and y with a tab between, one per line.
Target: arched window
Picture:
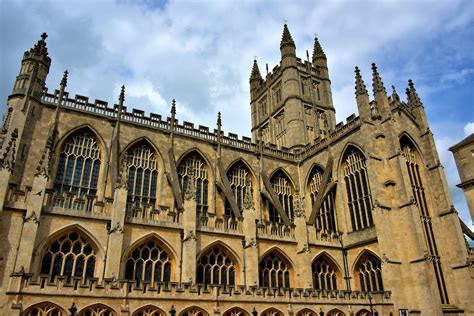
285	192
44	309
335	312
306	312
193	311
326	218
363	312
324	274
97	310
236	311
216	267
369	269
272	312
79	165
70	256
195	163
274	271
240	183
142	178
148	262
358	189
149	310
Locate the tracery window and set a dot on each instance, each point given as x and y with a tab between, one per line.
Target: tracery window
272	312
370	273
363	312
239	179
194	311
358	189
70	256
216	267
149	310
324	274
44	309
236	311
274	271
148	262
326	218
196	164
97	310
284	190
306	312
79	165
142	175
335	312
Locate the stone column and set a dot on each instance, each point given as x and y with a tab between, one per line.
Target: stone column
189	225
250	233
302	273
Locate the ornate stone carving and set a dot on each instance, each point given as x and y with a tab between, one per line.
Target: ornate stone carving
8	159
298	206
116	229
252	243
122	181
43	168
248	198
190	236
32	218
305	249
190	192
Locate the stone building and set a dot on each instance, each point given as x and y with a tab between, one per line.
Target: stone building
108	211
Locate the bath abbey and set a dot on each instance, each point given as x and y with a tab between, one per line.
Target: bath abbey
108	211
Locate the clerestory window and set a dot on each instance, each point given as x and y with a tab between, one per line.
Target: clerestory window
196	164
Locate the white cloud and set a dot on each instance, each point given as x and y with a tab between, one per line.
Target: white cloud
469	128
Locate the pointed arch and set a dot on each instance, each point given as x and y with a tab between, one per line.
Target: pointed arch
242	181
348	147
275	269
271	312
224	246
306	312
198	151
326	273
363	312
146	140
46	308
314	167
217	264
285	190
286	173
406	139
152	235
281	253
236	311
329	257
61	140
245	163
368	271
97	309
335	312
193	311
149	310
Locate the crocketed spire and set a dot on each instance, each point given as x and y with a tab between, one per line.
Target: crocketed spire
122	94
318	51
64	80
395	95
413	98
286	38
255	71
377	84
360	88
219	120
173	107
40	48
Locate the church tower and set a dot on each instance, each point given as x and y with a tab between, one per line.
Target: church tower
292	107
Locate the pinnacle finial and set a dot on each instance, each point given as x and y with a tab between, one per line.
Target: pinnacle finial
255	74
122	94
377	84
40	48
173	107
219	120
318	51
359	83
44	36
413	98
286	38
64	79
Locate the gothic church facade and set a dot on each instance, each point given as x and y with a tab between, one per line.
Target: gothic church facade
108	211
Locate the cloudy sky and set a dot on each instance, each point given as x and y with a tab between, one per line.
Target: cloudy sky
201	52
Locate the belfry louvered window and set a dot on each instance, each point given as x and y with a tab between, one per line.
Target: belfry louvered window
142	176
195	163
239	179
324	274
70	256
358	190
370	273
148	263
326	218
78	165
284	190
274	271
216	267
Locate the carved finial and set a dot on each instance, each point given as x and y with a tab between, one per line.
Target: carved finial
286	38
173	107
219	120
412	95
255	74
318	51
43	168
122	181
40	47
190	192
377	84
360	88
395	95
8	159
44	36
122	94
64	80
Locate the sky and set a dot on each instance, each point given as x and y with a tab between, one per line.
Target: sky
201	54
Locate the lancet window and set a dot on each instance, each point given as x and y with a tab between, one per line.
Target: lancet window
285	191
149	262
97	310
44	309
149	311
79	165
370	273
142	176
195	163
274	271
358	189
70	256
326	218
324	274
216	267
240	183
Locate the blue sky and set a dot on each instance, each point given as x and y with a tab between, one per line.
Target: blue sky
201	52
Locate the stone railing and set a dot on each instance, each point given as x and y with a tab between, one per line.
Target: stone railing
225	224
322	236
69	203
149	215
275	231
16	197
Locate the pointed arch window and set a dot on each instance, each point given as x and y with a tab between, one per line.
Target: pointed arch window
149	311
193	311
240	183
79	165
44	309
195	163
326	218
358	189
274	271
285	192
324	274
272	312
216	267
97	310
142	176
306	312
236	311
70	256
148	262
370	273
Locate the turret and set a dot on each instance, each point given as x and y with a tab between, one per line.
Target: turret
287	45
320	61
